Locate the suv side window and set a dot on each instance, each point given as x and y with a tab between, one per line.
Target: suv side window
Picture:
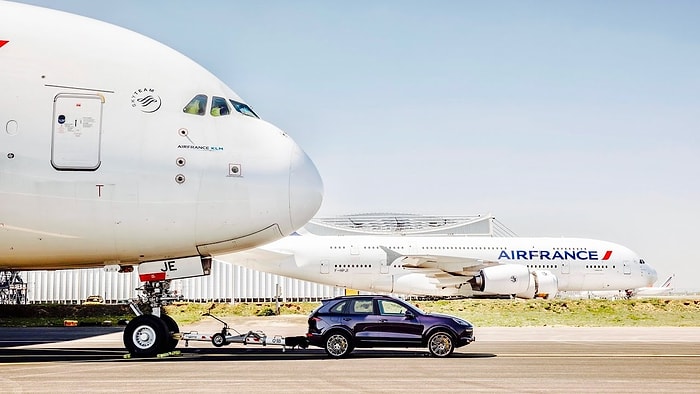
363	306
387	307
338	308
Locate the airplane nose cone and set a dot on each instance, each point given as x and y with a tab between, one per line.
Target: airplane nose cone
652	276
305	189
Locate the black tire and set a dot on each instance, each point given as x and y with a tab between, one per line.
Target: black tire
218	339
145	336
338	344
440	344
170	342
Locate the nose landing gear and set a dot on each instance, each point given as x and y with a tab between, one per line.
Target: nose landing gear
150	334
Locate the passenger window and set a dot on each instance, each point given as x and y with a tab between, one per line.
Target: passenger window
362	307
219	106
391	308
243	108
197	105
338	308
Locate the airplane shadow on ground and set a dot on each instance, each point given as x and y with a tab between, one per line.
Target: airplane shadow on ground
21	336
198	354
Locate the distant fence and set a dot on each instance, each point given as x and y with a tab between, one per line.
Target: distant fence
227	283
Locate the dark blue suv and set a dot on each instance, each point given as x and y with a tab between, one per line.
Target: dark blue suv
341	324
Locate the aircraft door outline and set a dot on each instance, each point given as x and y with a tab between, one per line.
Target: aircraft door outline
383	267
325	266
77	131
626	268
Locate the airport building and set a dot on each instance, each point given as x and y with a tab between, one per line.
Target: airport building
232	283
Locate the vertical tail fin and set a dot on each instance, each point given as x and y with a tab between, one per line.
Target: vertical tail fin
668	281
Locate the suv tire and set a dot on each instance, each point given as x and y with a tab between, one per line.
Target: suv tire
338	344
440	344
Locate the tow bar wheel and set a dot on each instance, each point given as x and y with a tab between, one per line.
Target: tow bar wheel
218	340
145	336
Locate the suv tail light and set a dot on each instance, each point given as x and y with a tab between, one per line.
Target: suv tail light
312	323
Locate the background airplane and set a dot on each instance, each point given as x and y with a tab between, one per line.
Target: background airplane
665	288
453	265
117	150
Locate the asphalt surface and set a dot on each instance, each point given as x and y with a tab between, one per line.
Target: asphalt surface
540	359
19	336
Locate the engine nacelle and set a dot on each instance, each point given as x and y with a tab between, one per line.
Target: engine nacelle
517	279
547	284
542	284
504	279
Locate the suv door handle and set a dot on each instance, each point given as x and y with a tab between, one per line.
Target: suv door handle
347	318
383	320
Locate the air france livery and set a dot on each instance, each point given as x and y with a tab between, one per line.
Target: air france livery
552	255
454	265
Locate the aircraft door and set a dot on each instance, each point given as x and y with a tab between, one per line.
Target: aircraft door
325	266
383	267
565	268
626	268
76	132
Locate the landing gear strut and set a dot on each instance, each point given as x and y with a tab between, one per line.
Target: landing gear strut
150	334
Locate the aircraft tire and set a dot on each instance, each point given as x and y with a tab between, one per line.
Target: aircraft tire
145	336
170	343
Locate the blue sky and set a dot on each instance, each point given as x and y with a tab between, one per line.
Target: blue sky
561	118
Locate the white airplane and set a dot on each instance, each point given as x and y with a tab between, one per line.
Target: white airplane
117	150
665	288
452	265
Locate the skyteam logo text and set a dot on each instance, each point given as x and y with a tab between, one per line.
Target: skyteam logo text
552	255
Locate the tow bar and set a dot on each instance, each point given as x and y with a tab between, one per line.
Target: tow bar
226	337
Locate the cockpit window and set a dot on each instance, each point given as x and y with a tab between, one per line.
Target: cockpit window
243	108
219	106
641	261
196	106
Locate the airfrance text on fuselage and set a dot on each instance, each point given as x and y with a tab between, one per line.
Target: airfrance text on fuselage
552	255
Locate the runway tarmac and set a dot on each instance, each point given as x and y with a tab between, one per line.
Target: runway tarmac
539	359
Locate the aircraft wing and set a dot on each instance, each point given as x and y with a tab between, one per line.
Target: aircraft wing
450	265
443	279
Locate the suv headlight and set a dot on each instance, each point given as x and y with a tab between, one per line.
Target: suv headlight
461	322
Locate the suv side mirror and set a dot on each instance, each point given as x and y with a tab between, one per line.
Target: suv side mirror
409	315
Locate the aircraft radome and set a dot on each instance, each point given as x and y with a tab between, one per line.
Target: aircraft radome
117	150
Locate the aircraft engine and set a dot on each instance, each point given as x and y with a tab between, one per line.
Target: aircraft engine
547	284
504	279
542	284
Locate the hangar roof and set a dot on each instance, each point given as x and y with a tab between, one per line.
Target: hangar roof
408	224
